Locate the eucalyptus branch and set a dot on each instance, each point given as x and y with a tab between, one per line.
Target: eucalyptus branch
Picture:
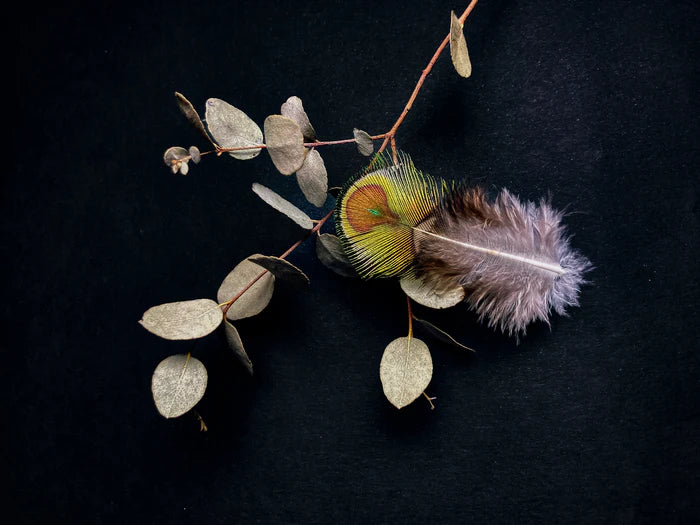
290	140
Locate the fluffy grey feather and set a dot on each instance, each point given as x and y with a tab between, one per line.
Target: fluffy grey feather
513	258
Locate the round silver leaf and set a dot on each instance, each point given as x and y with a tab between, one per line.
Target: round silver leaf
255	299
285	143
178	383
405	370
183	319
231	128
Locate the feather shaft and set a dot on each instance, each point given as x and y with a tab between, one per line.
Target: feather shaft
554	268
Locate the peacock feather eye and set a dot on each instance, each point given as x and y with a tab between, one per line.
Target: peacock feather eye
377	211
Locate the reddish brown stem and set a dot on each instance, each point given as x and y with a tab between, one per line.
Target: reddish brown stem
287	252
410	317
389	138
389	135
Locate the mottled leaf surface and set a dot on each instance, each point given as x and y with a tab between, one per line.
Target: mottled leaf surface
178	383
255	299
282	205
364	142
405	370
285	143
183	319
313	179
458	48
294	109
424	294
231	128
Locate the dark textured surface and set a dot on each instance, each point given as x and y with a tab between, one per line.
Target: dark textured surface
595	420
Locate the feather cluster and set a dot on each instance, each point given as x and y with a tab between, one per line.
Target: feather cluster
512	258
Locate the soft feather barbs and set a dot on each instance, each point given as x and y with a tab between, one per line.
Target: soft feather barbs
512	258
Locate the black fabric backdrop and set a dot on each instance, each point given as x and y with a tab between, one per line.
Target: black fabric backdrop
593	420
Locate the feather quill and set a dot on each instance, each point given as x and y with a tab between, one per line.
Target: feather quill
513	258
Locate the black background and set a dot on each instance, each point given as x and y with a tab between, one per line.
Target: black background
595	420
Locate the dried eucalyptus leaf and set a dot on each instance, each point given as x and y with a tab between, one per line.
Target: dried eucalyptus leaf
255	299
458	48
365	145
178	383
423	294
234	341
405	370
195	154
183	320
192	116
294	110
231	128
184	168
285	143
441	335
174	154
281	269
313	179
282	205
330	252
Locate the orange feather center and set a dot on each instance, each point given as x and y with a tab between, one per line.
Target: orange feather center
367	207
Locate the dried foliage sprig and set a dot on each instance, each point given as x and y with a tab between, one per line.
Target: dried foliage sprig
392	221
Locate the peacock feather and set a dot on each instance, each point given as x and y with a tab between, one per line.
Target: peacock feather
512	258
378	210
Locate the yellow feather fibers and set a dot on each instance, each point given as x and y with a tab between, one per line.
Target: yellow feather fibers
377	211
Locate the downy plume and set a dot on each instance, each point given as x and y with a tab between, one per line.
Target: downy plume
513	259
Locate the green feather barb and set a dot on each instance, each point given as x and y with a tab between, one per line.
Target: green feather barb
378	210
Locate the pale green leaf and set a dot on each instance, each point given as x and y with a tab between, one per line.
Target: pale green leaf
285	143
428	296
458	48
281	269
313	179
178	383
282	205
183	320
255	299
231	128
405	370
236	344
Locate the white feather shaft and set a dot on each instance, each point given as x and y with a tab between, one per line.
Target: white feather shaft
555	268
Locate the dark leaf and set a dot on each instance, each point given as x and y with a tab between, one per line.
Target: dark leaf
330	252
192	116
281	269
